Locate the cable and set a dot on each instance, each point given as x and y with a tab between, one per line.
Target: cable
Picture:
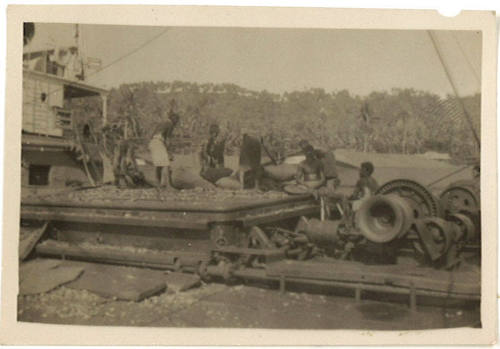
448	75
123	57
131	52
474	72
447	176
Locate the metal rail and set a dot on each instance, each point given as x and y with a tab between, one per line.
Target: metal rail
198	263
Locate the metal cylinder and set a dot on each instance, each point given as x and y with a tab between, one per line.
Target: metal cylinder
436	236
461	197
383	218
466	228
319	232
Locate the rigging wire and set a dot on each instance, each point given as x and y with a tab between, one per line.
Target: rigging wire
128	54
144	44
471	66
455	91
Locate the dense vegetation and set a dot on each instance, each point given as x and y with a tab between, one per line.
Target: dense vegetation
396	121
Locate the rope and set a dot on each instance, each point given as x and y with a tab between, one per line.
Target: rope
448	175
455	91
469	63
132	52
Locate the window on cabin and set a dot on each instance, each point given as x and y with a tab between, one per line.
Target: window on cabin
39	174
63	117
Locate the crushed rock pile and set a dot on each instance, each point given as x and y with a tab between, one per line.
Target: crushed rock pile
112	193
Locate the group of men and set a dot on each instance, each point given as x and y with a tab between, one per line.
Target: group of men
318	171
124	165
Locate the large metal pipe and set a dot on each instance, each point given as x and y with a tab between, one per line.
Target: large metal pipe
319	232
383	218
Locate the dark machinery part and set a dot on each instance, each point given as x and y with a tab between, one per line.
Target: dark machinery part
402	217
443	241
423	202
436	236
294	244
223	235
382	223
466	228
332	238
258	239
383	218
462	196
319	232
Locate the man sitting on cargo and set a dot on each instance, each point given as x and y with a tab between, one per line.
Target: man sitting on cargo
329	163
125	166
158	148
311	171
366	185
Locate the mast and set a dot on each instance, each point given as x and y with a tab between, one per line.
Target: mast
79	49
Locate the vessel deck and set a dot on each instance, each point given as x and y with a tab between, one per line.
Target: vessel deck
190	209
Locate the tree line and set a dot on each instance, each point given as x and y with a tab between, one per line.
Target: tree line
397	121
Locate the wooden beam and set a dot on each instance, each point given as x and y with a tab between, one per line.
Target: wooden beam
27	245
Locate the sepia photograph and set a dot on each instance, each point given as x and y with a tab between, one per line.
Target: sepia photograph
250	177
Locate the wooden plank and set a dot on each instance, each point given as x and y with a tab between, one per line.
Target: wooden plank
140	221
110	254
249	251
41	276
180	282
27	245
123	283
269	255
34	266
357	273
272	216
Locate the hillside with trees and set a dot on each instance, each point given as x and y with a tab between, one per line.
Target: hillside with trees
397	121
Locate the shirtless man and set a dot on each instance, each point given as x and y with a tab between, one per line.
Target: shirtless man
366	185
329	164
311	171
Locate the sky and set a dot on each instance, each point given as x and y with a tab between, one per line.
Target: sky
278	60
